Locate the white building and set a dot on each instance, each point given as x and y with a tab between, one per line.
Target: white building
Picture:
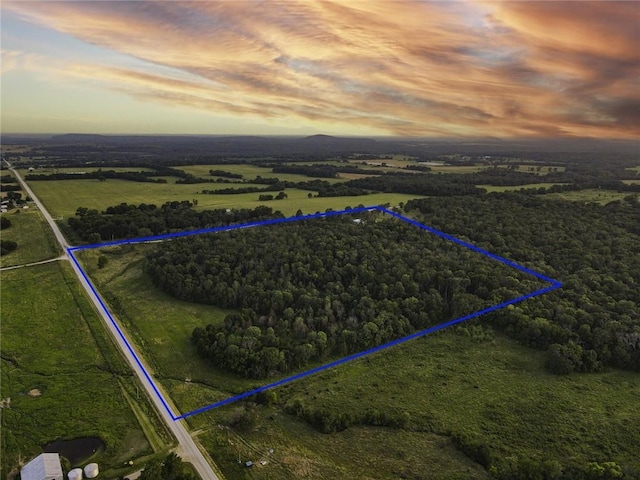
45	466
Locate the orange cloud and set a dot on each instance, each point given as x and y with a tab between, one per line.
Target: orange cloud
404	68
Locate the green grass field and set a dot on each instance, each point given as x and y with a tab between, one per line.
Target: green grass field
631	182
589	196
63	197
634	169
63	375
252	171
34	238
510	188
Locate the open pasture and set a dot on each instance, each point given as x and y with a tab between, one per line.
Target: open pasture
63	375
250	172
63	197
34	238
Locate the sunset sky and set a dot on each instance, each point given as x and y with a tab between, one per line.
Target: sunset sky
359	67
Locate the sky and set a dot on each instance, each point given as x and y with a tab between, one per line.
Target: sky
350	68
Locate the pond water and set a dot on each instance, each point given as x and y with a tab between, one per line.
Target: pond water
77	449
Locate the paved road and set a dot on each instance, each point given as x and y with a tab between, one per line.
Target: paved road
187	448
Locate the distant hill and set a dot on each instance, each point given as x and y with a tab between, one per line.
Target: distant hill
329	143
319	137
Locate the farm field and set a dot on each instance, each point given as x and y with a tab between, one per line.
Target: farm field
634	169
34	238
591	195
248	172
252	171
492	379
631	182
63	197
510	188
64	377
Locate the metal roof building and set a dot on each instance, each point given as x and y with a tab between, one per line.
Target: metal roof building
45	466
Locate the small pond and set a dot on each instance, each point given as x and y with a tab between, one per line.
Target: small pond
76	450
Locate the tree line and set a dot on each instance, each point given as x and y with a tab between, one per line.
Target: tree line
142	176
131	221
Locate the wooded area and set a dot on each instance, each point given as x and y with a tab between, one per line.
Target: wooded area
594	320
322	288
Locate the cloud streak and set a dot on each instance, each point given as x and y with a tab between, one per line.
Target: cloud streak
400	68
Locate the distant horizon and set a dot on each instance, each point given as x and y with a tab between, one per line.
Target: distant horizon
338	136
379	68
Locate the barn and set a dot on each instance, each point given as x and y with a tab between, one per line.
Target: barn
45	466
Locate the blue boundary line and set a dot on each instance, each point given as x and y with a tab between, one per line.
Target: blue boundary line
106	310
554	285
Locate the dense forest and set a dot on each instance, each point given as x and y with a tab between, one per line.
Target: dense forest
594	320
314	289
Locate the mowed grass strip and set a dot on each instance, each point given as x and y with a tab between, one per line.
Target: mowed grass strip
62	381
63	197
33	236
